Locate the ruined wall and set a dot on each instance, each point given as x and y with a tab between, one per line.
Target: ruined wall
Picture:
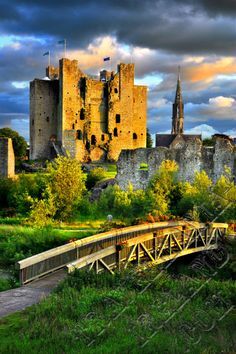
44	97
7	158
192	157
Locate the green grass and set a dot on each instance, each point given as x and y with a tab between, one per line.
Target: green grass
112	314
19	241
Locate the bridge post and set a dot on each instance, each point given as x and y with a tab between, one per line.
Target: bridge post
155	244
169	243
138	253
118	257
183	234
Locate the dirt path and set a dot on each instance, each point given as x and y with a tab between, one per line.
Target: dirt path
27	295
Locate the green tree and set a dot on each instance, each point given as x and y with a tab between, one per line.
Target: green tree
66	184
64	189
164	188
149	141
208	142
197	197
19	143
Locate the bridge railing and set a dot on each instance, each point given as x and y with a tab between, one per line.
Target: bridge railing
43	263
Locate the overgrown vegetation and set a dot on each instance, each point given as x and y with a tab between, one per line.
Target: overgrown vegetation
60	194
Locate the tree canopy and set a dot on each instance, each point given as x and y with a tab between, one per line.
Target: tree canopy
149	140
19	143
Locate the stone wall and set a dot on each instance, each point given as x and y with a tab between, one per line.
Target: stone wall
94	120
7	158
192	157
43	117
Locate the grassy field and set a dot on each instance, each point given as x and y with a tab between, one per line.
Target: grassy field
134	312
19	241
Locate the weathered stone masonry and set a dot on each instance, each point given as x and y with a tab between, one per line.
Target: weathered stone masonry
191	157
7	158
92	119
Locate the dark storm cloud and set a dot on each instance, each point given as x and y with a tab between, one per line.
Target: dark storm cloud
181	26
174	27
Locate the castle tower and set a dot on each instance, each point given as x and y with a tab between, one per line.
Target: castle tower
178	110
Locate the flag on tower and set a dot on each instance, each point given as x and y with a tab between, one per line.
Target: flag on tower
61	42
106	58
46	53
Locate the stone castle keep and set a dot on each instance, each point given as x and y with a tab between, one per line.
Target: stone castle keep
91	119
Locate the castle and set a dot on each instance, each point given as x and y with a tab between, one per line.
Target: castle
91	119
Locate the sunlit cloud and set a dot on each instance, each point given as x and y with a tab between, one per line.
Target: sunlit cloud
207	71
221	101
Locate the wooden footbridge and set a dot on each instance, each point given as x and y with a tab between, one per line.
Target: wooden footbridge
158	242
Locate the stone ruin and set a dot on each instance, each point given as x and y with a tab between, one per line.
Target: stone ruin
7	158
138	166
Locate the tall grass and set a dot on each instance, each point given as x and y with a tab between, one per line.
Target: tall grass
114	314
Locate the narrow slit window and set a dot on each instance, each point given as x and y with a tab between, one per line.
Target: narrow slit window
79	135
93	140
117	118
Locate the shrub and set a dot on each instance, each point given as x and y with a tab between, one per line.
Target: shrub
94	176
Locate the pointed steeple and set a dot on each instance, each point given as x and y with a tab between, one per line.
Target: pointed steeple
178	109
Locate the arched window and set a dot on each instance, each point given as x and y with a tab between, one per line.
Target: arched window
73	126
102	137
115	132
115	90
135	136
93	140
79	135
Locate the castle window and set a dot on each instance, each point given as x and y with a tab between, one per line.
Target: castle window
73	126
47	119
103	137
135	136
79	135
32	121
82	114
116	90
115	132
93	140
117	118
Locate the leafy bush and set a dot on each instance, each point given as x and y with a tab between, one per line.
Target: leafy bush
94	176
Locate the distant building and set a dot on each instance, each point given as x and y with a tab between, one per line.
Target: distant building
89	118
177	138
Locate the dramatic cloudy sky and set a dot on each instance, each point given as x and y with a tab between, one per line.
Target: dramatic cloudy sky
158	35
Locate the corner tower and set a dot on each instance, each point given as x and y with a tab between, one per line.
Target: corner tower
178	110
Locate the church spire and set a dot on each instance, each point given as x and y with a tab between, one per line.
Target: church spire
178	109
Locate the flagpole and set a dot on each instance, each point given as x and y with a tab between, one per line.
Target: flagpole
49	59
65	48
